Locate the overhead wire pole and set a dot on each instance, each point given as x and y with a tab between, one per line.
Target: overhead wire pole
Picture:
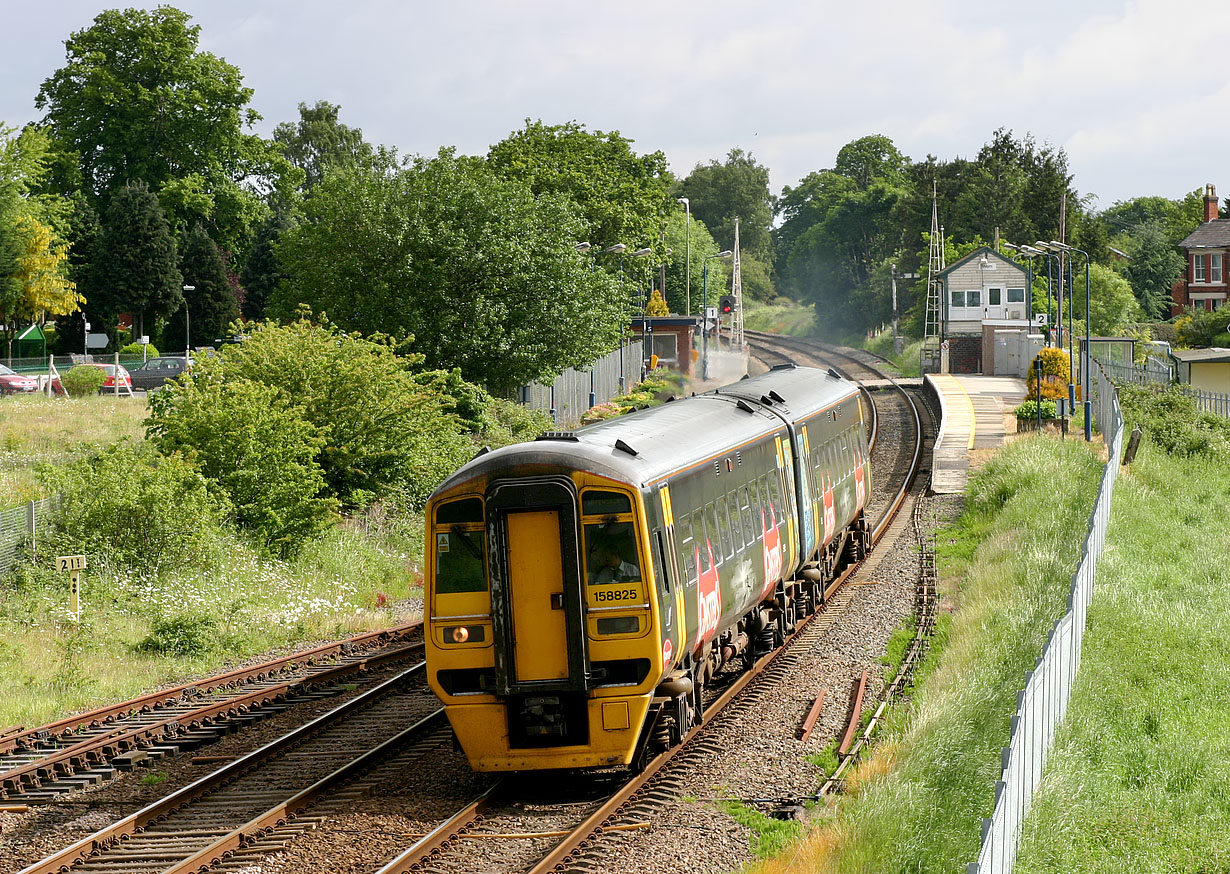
736	288
935	264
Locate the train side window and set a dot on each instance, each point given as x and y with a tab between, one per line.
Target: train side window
687	547
736	520
750	529
704	539
775	491
717	534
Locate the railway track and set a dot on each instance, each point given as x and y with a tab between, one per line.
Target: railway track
38	765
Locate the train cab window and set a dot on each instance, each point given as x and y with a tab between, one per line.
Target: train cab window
460	547
610	553
687	547
736	521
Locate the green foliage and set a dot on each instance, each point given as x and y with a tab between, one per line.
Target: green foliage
137	349
83	380
468	266
618	195
318	142
381	424
1172	420
254	443
262	273
737	188
1154	266
1112	305
1200	327
1056	372
211	302
128	507
1029	410
193	633
769	836
655	389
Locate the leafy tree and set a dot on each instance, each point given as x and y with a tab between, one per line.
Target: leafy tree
318	142
255	445
869	159
699	241
1111	302
262	272
1153	268
1199	328
136	100
737	188
211	304
41	272
480	273
619	195
136	266
384	425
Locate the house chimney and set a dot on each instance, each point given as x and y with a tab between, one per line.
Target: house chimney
1210	202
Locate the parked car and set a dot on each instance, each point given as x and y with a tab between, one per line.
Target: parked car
12	382
125	381
157	372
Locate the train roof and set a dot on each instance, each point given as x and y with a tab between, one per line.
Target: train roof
650	444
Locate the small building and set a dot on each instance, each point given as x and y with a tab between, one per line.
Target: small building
1204	284
31	343
1204	369
986	320
671	338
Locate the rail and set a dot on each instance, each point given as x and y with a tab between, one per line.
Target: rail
1041	705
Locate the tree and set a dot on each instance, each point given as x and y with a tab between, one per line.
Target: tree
319	142
262	273
210	304
678	243
480	273
137	270
1111	302
619	196
136	100
738	188
1153	268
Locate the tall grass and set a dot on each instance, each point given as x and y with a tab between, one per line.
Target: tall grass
1140	775
783	316
918	802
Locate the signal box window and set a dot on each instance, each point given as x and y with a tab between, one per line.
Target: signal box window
460	547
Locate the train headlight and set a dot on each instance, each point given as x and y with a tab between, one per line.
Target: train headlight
464	634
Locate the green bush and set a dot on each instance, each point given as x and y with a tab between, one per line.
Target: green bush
1171	419
127	507
1197	328
150	351
1029	410
188	634
254	444
83	380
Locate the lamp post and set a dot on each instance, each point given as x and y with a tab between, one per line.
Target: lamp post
618	249
1038	250
687	258
1086	382
704	373
187	324
641	253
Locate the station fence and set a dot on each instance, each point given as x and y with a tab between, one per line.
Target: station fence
575	391
19	527
1144	374
1041	705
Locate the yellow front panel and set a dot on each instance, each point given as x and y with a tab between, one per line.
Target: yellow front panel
536	581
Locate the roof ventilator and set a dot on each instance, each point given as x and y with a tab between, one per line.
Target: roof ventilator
745	406
789	365
833	373
775	396
624	447
766	400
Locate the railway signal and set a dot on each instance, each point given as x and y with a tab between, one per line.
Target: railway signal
726	304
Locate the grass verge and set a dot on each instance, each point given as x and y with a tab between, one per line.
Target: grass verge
917	803
1139	779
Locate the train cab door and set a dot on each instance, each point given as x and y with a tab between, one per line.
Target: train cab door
536	590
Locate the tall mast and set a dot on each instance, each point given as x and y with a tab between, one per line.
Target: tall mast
935	288
736	288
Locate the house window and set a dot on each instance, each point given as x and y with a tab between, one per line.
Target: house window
957	299
1016	295
1198	268
993	296
1215	267
973	298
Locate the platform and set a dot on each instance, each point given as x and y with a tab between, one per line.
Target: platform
973	410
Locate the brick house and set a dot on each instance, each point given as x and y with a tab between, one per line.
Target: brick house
1204	282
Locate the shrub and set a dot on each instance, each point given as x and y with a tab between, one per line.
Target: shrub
1056	371
83	380
129	507
188	634
1173	422
254	444
137	349
1029	410
1197	328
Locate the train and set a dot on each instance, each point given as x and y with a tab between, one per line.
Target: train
582	590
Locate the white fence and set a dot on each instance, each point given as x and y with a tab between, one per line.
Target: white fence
1044	701
575	391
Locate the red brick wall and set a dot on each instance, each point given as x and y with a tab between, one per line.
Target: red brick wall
965	355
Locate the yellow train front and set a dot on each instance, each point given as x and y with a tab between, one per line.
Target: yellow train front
580	589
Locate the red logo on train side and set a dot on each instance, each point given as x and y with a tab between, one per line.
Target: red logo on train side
830	512
772	551
708	598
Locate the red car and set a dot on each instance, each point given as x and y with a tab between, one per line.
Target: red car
109	383
12	382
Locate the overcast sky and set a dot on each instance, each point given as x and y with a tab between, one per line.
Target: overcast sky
1135	91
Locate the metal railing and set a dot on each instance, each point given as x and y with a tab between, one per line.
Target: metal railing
575	391
19	526
1041	705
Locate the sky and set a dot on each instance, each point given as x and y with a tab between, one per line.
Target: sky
1132	90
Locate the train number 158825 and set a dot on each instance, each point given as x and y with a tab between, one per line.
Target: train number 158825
615	595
